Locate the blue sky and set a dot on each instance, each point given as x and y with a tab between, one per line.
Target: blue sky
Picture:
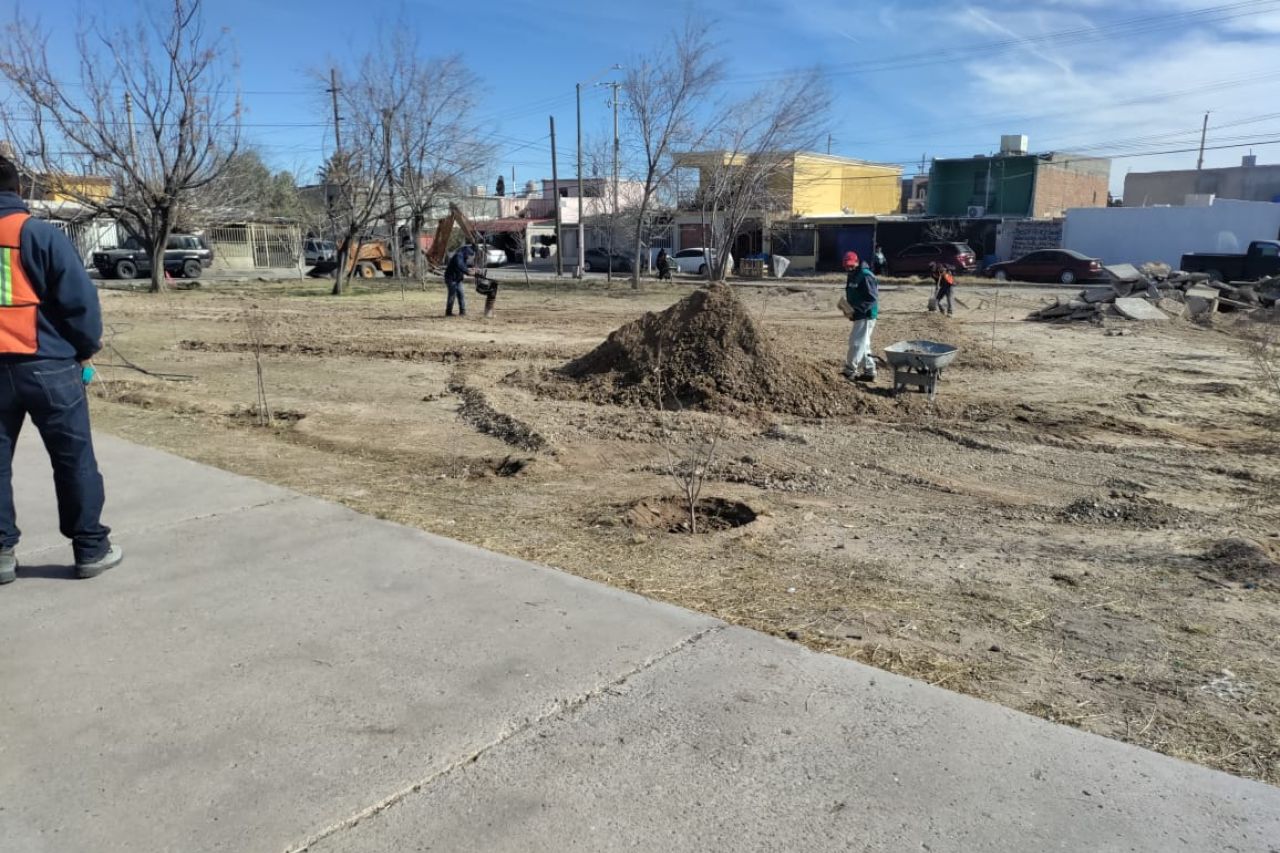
908	79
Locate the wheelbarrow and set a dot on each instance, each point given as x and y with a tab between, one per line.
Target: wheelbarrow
919	364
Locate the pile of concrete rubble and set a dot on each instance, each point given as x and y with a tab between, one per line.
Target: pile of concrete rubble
1156	292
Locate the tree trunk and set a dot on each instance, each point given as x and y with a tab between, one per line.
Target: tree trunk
161	225
344	251
635	275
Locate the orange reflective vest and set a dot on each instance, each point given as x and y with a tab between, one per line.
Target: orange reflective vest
18	300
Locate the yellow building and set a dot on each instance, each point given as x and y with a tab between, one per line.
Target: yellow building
824	185
819	207
810	184
72	188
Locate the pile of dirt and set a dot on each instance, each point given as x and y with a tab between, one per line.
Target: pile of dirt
1242	559
1126	510
707	352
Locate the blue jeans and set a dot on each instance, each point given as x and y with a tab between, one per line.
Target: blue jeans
458	291
51	391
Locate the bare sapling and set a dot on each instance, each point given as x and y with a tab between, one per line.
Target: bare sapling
691	459
255	326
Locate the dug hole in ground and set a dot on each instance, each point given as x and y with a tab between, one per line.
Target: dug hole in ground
1082	526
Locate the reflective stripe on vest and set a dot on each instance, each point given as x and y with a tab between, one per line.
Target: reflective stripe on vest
18	300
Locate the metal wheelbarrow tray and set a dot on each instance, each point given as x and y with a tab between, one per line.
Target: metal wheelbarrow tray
919	364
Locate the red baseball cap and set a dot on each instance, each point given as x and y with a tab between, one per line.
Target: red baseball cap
850	260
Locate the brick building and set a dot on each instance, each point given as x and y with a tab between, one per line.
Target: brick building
1015	183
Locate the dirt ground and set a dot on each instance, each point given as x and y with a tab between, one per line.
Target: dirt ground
1083	526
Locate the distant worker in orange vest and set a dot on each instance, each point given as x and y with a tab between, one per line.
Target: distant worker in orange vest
50	327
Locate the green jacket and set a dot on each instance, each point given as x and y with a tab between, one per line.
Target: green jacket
862	292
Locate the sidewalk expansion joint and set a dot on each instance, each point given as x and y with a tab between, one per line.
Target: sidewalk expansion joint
559	708
124	534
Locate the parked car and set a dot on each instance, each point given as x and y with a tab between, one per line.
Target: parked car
599	260
916	259
1061	265
186	255
315	250
696	260
1262	260
493	256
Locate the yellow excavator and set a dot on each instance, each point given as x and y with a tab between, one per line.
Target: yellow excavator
436	255
370	258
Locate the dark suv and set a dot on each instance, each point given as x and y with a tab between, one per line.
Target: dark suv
185	254
916	260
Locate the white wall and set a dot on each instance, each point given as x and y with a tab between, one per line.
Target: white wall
1136	235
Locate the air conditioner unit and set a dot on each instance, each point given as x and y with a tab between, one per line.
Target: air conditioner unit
976	211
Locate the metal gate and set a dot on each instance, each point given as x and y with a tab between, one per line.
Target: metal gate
256	245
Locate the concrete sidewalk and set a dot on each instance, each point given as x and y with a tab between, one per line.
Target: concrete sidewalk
269	672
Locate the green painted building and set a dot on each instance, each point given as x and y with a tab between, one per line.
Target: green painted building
1017	184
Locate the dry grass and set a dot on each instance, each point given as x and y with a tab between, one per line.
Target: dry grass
929	541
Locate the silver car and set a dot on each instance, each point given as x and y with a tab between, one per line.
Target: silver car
315	250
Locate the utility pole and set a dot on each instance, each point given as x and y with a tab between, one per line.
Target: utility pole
613	220
828	142
555	193
133	137
577	87
1204	132
333	90
392	222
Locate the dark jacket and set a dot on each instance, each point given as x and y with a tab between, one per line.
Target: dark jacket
862	292
69	319
456	271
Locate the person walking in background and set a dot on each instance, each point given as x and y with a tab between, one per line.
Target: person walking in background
663	263
944	282
862	293
881	263
50	327
455	274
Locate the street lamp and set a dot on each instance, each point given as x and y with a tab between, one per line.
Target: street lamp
577	87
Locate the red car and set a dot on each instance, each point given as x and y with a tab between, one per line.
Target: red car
916	260
1061	265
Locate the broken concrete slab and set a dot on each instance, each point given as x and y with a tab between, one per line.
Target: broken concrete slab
1098	294
1139	309
1123	272
1202	300
1172	307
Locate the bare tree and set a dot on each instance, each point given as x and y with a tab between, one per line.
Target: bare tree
667	109
746	173
157	118
429	146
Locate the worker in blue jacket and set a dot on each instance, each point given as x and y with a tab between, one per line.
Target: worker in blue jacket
455	274
862	292
50	328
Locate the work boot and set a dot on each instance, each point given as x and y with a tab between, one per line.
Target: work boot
109	560
8	566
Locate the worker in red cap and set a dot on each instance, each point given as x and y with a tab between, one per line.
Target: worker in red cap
862	292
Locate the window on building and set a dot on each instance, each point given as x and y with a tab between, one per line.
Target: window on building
797	242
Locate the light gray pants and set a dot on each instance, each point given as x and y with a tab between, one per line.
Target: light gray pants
859	358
